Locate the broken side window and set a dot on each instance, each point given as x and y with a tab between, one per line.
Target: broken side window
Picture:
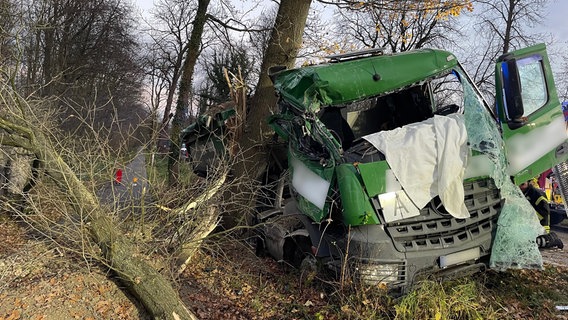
533	83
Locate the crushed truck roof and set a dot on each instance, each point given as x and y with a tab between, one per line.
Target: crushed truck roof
337	83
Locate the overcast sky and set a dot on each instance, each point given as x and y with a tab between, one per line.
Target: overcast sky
556	21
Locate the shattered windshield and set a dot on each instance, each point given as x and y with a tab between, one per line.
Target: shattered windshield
514	245
389	111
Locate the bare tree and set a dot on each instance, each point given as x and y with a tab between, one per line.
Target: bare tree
75	50
508	19
185	89
499	27
282	50
65	42
172	27
8	23
398	26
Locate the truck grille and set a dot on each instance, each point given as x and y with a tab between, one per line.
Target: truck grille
434	228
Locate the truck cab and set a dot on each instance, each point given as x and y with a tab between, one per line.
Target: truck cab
399	169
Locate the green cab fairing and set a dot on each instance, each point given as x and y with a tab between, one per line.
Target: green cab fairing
312	87
357	208
311	183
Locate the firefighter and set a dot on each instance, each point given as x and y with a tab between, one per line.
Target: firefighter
538	200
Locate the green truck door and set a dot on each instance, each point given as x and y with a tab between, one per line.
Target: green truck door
530	113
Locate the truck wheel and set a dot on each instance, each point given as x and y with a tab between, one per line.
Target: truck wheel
296	249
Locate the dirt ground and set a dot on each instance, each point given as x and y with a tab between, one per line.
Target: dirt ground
39	281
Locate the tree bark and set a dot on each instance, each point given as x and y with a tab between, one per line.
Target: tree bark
285	42
151	288
193	48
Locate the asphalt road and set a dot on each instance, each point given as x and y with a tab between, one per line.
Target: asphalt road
133	187
557	256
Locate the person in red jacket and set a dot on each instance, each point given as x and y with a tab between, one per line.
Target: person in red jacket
118	176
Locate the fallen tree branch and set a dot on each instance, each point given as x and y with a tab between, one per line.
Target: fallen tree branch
203	223
150	287
203	197
144	282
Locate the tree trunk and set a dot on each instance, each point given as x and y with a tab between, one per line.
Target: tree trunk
284	44
509	25
182	106
150	287
285	41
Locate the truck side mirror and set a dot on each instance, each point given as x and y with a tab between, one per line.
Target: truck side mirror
513	94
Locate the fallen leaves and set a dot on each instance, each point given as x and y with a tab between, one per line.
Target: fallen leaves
222	286
14	315
11	237
71	293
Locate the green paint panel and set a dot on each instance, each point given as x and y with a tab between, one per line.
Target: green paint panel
311	210
373	175
357	208
326	173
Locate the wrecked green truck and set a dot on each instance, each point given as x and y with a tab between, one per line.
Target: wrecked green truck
398	169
